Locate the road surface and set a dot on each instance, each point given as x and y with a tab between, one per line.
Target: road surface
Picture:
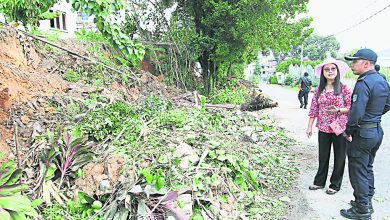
317	204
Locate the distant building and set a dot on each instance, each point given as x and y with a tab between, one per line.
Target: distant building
67	22
267	66
384	58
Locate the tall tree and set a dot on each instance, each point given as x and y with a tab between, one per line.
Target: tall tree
234	31
317	47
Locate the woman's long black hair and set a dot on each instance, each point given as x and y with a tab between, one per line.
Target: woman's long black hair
336	83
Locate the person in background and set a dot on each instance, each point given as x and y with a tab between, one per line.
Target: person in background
377	68
370	100
305	87
331	102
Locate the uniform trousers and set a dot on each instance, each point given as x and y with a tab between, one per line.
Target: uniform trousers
361	154
305	95
325	143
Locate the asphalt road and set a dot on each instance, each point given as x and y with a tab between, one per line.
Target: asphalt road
317	204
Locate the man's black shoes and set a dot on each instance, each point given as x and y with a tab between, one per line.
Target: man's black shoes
301	106
353	213
370	208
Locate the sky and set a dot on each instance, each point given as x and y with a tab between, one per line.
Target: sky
334	16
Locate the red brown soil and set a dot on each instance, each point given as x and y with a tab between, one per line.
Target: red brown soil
20	82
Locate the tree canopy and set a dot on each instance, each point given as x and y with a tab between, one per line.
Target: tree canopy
317	47
234	31
25	11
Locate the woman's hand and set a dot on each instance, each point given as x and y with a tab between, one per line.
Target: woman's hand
309	132
331	109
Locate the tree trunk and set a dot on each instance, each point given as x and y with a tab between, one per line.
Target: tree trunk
204	62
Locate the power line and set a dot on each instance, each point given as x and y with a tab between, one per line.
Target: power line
359	23
363	9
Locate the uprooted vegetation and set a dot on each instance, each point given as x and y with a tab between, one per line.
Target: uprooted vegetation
94	144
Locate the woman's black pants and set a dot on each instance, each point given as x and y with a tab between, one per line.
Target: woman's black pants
325	142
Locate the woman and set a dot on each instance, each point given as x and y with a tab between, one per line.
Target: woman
331	102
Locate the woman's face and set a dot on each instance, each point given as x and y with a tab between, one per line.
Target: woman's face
330	71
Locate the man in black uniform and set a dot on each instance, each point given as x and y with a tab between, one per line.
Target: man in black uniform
305	86
370	100
377	68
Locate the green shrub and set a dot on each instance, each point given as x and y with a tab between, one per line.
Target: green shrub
90	36
72	76
274	79
229	95
290	80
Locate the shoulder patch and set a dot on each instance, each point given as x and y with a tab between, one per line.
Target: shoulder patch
354	97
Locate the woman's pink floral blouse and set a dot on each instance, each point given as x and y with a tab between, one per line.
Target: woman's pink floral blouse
318	107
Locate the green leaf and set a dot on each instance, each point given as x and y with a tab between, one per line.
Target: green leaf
160	182
212	154
76	6
6	170
85	199
223	199
17	203
14	177
252	175
36	203
4	215
97	205
163	159
18	216
221	157
8	190
50	171
148	176
91	5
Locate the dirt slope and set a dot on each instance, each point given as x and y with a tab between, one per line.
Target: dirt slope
22	79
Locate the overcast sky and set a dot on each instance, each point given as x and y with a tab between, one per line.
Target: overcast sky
334	16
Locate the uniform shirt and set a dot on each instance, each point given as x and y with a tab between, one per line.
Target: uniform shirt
370	100
326	99
305	83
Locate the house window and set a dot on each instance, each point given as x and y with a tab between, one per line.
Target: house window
84	16
63	21
59	22
52	21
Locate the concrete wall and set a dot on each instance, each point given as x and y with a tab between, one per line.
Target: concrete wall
73	20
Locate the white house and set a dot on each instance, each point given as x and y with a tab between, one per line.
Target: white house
67	22
267	66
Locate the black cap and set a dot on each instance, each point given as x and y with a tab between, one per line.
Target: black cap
363	54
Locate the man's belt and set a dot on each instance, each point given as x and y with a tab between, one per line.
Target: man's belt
370	125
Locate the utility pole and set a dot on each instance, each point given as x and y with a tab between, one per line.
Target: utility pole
301	60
